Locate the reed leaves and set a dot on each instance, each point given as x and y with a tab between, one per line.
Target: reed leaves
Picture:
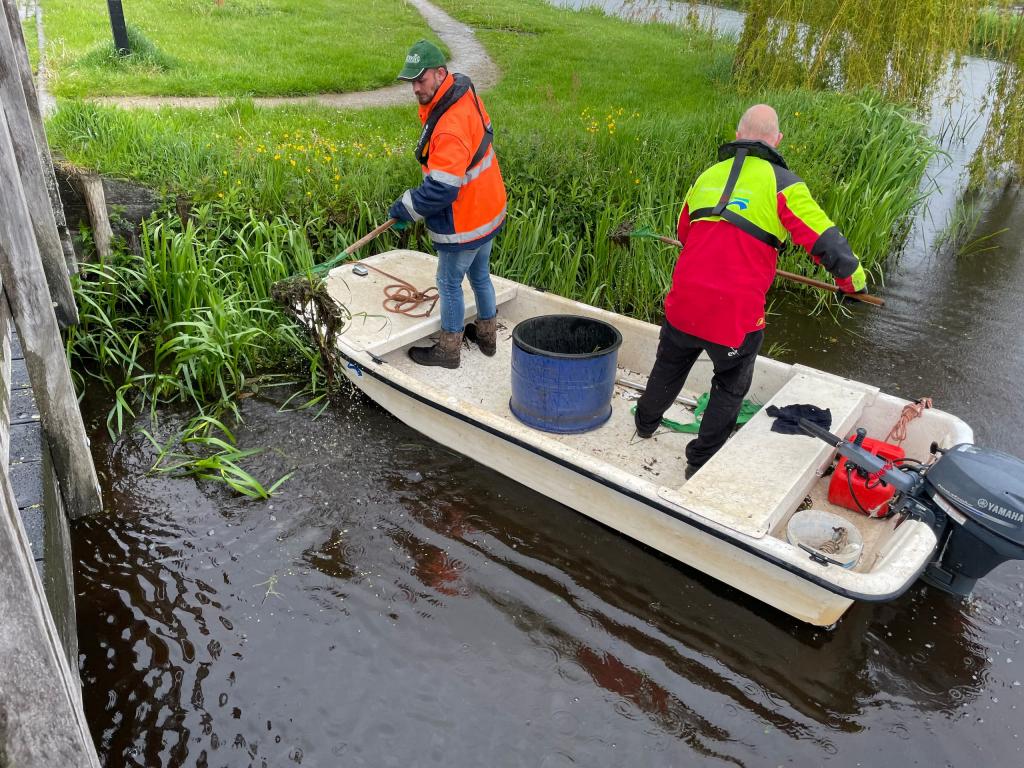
190	317
200	453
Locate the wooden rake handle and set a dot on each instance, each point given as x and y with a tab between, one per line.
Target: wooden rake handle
368	237
867	298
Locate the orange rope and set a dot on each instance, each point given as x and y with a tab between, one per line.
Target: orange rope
910	411
402	297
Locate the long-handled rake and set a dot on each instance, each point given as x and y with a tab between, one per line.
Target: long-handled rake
626	232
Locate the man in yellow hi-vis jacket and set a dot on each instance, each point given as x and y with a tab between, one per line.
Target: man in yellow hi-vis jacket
737	214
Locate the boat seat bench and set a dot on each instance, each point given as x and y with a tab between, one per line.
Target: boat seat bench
418	269
760	476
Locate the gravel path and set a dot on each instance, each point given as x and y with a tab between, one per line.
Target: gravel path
468	57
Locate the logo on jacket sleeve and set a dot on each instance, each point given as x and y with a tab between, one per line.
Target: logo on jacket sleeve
740	202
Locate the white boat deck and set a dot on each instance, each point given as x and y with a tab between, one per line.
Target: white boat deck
486	382
785	465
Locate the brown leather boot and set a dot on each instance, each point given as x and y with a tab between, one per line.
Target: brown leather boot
485	334
445	353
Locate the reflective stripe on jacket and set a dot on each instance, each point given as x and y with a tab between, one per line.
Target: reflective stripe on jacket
728	261
462	206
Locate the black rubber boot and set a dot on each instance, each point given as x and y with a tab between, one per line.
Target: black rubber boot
484	333
445	353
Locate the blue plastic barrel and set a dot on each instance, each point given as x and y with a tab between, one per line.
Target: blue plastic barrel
563	372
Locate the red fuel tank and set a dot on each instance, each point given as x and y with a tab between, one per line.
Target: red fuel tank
846	489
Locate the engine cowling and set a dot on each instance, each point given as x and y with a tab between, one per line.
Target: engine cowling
986	488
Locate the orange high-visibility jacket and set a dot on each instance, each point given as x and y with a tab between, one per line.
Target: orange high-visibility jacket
462	198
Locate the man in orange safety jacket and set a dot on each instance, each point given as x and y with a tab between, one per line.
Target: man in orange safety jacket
737	214
461	200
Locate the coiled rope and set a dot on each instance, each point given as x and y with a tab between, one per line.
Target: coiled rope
910	411
402	297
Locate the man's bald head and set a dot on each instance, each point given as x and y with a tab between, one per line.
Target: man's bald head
760	123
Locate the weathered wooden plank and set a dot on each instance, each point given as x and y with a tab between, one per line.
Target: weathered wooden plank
35	114
25	285
38	128
134	204
5	381
29	169
58	576
41	719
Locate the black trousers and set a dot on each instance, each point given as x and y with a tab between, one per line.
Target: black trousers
734	371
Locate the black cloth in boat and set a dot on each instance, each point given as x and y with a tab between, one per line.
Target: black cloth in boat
787	418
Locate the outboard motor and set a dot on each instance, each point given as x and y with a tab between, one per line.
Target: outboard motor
982	493
973	498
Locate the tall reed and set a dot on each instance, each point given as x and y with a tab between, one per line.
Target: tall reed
190	318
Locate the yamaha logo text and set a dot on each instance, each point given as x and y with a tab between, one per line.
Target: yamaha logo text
1009	514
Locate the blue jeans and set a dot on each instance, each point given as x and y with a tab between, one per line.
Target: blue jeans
452	266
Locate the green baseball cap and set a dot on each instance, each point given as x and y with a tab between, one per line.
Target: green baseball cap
422	56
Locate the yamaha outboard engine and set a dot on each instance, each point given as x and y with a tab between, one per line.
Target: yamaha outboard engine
982	493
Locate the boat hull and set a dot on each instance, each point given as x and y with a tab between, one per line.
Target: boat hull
607	505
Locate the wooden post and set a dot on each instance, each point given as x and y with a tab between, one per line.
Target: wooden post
118	27
36	116
28	169
24	282
90	186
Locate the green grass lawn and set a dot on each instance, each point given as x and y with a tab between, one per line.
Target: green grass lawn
244	47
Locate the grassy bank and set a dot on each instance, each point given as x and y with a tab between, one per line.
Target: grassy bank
240	47
597	122
189	319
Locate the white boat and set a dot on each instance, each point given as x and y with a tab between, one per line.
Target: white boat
728	520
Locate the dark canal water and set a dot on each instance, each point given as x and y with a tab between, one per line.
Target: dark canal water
399	605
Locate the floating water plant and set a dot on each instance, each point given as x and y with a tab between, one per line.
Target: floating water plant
199	452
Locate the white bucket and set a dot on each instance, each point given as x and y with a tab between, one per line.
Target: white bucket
816	529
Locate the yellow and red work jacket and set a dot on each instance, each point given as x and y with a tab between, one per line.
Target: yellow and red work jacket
462	198
736	216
